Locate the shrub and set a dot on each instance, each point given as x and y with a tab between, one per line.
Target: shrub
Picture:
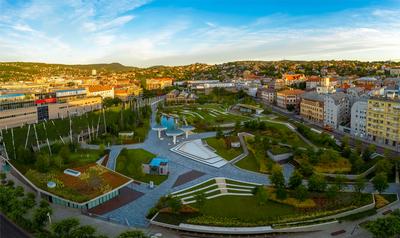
380	201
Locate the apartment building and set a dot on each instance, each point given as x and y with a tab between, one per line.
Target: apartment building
313	82
267	95
336	110
158	83
383	120
293	78
312	107
18	111
358	121
176	97
289	99
103	91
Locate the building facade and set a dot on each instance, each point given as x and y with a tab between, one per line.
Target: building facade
267	95
289	99
100	90
383	121
312	107
336	110
158	83
358	121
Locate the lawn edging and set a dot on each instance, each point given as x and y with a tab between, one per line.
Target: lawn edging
39	191
240	230
320	223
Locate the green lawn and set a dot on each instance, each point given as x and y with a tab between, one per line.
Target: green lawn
249	163
245	208
130	162
220	147
204	116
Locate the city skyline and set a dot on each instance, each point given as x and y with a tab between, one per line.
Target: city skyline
144	33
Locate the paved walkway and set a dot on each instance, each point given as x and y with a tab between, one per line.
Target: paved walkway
134	213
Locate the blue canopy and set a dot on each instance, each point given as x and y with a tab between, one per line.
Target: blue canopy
156	162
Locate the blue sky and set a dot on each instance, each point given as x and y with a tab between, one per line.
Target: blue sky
153	32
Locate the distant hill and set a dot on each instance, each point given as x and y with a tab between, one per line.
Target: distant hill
111	67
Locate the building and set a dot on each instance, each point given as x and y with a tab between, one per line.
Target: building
336	110
276	84
18	111
395	71
327	85
312	82
358	121
158	83
312	107
157	166
289	99
103	91
177	97
267	95
293	78
75	107
383	120
249	109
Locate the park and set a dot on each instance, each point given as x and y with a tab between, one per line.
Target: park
200	165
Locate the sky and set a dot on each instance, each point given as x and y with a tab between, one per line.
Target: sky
179	32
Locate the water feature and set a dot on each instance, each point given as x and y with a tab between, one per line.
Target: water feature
168	122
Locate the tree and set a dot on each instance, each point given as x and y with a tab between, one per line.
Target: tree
317	183
175	204
276	177
295	180
359	185
301	192
340	182
261	195
380	182
385	227
132	234
306	169
332	191
3	177
40	215
42	162
368	151
65	153
64	228
24	155
70	228
281	193
383	166
200	199
219	134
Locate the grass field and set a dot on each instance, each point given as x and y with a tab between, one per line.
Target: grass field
245	208
246	211
220	147
129	163
204	116
249	163
54	129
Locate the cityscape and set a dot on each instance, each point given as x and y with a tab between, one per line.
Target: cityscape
152	119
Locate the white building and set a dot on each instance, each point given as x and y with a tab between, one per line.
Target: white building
358	122
100	90
336	110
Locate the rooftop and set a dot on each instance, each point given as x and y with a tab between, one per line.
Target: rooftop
313	96
291	92
99	88
156	162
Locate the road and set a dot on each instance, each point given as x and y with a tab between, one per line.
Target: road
337	134
10	230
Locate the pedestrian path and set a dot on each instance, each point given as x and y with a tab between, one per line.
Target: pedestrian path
112	158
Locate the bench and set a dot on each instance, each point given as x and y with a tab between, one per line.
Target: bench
336	233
